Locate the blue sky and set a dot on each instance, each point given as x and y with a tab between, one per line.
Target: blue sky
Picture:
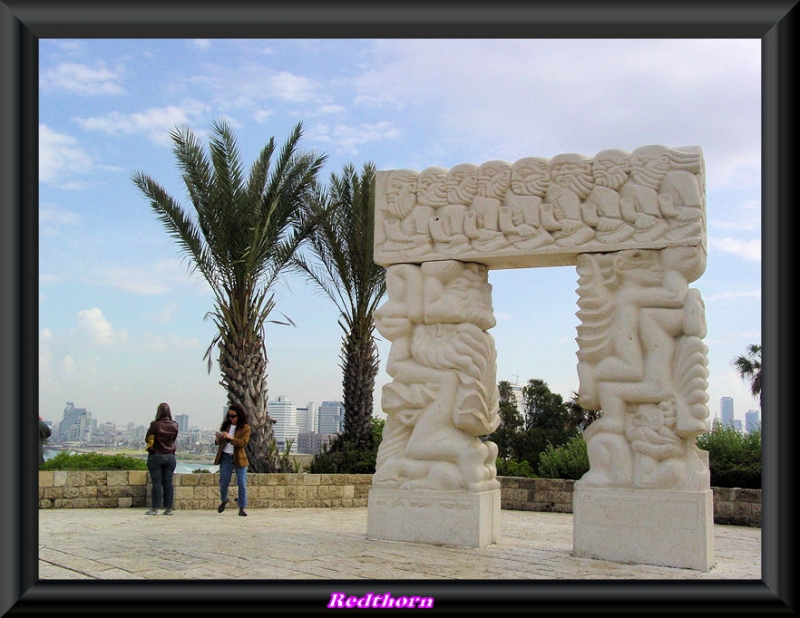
121	321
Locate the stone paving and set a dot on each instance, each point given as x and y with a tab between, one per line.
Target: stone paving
331	543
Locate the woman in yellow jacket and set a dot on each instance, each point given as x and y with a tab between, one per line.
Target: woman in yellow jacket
232	438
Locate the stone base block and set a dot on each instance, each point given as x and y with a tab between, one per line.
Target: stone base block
635	526
455	518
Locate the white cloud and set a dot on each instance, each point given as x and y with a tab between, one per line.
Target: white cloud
97	328
201	43
160	278
166	314
68	363
293	88
746	249
81	79
347	138
155	123
52	219
60	158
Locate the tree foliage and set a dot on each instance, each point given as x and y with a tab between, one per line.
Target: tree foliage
92	461
734	457
523	437
341	265
748	366
241	237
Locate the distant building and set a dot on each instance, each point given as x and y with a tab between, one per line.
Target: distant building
183	423
311	442
76	424
752	420
726	411
331	417
307	419
284	413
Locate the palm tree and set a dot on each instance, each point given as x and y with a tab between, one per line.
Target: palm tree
749	368
242	238
341	242
580	417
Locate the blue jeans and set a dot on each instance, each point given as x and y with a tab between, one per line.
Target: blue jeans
226	469
161	468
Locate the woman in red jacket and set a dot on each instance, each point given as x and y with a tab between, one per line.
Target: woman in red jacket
161	460
232	438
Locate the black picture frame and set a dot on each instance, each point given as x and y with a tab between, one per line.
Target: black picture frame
24	22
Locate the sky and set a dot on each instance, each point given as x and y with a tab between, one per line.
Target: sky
121	318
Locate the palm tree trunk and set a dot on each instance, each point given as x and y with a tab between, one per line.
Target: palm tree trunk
244	375
360	367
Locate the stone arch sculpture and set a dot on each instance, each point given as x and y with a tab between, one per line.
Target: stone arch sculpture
634	226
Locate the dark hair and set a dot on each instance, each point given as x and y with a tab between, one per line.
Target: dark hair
241	418
163	411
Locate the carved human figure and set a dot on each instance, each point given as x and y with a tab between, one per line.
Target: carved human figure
602	207
562	214
405	223
482	223
640	204
443	393
652	353
519	215
680	196
447	226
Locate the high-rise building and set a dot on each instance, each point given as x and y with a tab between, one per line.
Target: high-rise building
331	417
183	424
726	411
284	413
752	420
307	419
76	425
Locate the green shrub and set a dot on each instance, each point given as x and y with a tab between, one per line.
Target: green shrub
568	461
340	457
734	457
93	461
512	467
201	471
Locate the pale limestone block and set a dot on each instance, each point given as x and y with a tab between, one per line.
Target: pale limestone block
457	518
444	394
137	477
46	479
59	478
664	528
541	212
114	477
125	503
642	362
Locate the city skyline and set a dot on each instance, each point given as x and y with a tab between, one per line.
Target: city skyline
121	321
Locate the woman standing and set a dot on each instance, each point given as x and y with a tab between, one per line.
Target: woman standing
161	459
232	438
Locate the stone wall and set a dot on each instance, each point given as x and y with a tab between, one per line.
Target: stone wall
112	489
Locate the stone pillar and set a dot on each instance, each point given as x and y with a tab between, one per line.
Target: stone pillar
435	480
642	362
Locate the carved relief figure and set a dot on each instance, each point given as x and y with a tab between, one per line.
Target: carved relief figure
447	226
519	216
482	225
405	224
602	207
443	394
562	214
641	345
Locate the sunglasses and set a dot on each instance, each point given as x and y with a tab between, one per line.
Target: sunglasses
232	415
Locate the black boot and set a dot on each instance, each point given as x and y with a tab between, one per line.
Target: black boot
221	506
242	513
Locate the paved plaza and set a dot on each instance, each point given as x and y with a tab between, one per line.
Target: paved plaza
331	543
